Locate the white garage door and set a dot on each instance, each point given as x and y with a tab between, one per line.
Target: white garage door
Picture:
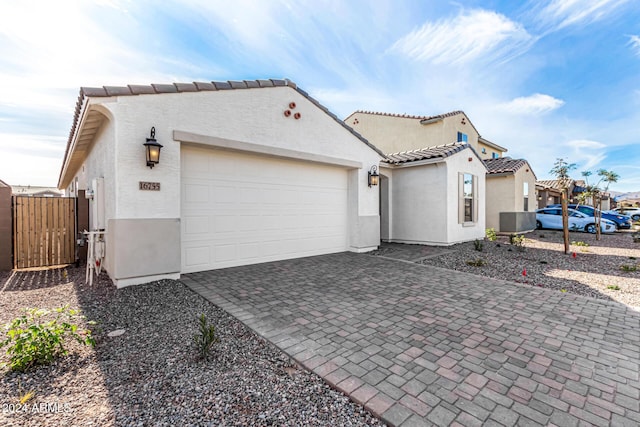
240	209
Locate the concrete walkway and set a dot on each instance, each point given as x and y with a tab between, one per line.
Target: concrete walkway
418	345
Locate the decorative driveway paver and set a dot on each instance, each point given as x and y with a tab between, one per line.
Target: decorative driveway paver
419	345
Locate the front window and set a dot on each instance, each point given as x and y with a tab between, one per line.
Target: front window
468	197
495	155
525	190
462	137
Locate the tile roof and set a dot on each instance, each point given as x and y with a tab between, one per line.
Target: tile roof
439	151
408	116
504	165
153	89
556	184
424	120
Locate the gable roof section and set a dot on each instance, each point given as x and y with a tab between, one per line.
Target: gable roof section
556	184
437	152
505	165
424	120
156	89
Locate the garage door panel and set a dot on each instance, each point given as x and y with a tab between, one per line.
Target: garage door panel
240	209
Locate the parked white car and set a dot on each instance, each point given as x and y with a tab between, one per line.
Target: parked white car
552	218
634	213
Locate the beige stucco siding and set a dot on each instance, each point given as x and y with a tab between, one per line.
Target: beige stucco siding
393	134
505	193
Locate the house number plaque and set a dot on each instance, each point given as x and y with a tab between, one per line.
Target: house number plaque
149	186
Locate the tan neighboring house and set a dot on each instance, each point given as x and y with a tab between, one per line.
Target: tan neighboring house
489	150
548	192
395	133
511	195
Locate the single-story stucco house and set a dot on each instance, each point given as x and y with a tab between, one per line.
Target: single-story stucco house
249	172
511	195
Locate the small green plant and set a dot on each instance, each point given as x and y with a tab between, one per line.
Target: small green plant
491	234
579	243
564	291
517	241
613	287
205	338
477	263
628	268
477	245
33	340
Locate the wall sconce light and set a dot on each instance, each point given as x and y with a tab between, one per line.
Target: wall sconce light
373	176
153	149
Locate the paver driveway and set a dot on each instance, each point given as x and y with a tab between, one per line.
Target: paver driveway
418	345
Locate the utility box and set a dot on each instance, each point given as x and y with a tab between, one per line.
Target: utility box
97	204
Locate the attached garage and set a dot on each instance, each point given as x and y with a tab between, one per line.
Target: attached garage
239	209
249	172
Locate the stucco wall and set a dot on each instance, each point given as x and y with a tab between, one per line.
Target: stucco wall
465	162
395	134
248	116
505	193
419	204
488	151
501	197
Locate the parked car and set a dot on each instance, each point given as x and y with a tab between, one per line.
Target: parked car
621	221
634	213
551	217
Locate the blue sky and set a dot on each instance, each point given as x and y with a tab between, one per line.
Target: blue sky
544	78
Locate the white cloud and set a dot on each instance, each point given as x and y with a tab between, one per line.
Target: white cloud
558	14
537	103
587	153
472	35
634	42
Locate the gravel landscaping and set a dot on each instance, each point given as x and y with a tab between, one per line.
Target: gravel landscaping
150	375
605	269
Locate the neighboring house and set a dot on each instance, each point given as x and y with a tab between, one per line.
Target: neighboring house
547	195
28	190
511	195
550	192
394	133
249	172
489	150
433	195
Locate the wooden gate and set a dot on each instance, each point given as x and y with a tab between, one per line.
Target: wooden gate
44	231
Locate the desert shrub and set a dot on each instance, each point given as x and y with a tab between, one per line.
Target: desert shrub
477	263
580	243
517	241
205	338
491	234
33	340
477	245
628	268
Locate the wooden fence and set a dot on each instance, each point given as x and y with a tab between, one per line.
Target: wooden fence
44	231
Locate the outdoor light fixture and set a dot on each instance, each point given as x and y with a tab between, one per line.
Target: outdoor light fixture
373	176
153	149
